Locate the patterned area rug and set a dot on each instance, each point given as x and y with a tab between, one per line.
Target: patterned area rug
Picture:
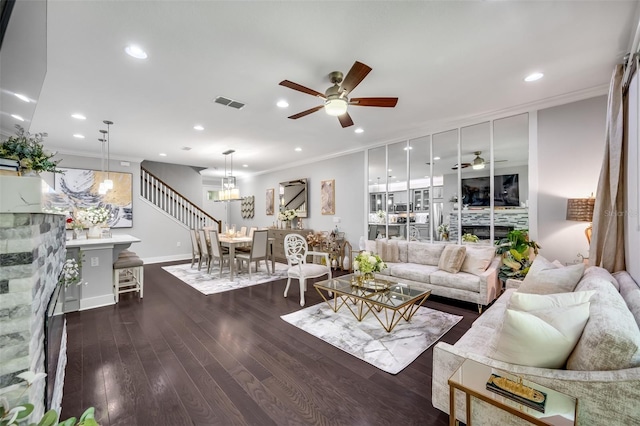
212	283
367	340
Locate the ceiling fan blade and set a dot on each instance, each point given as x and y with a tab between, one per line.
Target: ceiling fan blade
307	112
464	166
300	88
356	74
345	120
374	102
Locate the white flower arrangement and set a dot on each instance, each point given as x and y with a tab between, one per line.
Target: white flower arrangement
287	215
366	262
71	273
94	215
443	229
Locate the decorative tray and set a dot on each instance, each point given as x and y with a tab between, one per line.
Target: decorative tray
370	284
518	392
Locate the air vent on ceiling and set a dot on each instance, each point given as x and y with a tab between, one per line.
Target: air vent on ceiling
186	148
228	102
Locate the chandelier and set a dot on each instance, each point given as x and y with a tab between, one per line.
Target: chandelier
229	190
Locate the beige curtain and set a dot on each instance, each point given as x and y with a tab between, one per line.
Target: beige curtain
607	241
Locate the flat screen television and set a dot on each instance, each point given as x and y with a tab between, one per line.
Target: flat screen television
476	191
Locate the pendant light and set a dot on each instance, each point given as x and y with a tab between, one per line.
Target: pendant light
102	188
108	183
229	191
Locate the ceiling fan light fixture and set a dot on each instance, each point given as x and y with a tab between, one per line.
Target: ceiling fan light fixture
335	106
478	162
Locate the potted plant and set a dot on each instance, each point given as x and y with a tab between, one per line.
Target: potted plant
470	238
28	149
517	253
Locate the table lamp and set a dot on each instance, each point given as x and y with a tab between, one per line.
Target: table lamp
581	209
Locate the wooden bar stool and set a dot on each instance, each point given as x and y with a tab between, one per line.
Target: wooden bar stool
128	274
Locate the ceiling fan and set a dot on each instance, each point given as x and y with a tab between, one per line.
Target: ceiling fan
335	97
478	163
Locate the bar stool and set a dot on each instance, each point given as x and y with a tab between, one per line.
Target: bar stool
128	274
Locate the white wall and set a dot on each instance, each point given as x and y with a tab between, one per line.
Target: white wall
348	172
632	208
570	151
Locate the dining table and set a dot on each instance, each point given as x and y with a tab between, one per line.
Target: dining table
231	242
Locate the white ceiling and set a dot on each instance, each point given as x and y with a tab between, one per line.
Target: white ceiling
443	60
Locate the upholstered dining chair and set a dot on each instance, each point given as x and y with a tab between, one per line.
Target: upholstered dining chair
204	250
296	251
195	248
217	253
259	251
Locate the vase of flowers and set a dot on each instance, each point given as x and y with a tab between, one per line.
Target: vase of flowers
71	272
95	218
367	264
287	217
443	230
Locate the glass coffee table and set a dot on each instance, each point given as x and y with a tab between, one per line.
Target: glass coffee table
388	300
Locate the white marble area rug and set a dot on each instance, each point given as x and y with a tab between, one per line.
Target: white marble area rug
212	283
367	340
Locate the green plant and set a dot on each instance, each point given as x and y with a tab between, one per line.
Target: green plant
29	151
18	415
516	249
366	263
470	238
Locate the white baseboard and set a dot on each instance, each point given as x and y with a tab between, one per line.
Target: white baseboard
172	258
97	302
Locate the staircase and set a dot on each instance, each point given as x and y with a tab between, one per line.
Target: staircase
173	203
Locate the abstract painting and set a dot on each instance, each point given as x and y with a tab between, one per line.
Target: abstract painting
328	197
77	189
269	201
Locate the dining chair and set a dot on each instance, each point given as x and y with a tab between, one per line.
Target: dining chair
195	248
217	252
259	251
243	231
252	230
204	250
296	250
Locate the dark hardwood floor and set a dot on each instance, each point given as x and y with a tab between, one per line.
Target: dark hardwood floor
178	357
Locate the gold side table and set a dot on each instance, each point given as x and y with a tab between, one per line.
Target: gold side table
471	378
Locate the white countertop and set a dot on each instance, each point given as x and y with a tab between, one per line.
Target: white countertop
115	239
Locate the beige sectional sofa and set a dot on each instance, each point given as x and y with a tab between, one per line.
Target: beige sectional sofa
422	265
602	370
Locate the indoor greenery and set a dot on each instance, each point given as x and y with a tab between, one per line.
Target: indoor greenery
19	414
367	263
517	254
470	238
27	148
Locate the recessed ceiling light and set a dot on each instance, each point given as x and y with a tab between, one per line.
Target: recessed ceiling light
359	130
533	77
162	154
22	97
389	170
79	136
78	116
245	165
17	117
436	158
298	149
135	51
282	103
198	127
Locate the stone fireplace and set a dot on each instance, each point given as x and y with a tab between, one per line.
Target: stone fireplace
32	251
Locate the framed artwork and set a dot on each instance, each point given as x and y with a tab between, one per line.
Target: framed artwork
77	189
328	197
270	200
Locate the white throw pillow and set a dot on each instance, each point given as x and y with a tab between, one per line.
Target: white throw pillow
546	278
544	338
532	302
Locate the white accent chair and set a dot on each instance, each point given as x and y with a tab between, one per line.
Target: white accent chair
217	252
195	248
204	250
296	251
259	251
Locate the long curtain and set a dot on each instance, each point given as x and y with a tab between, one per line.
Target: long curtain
607	242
